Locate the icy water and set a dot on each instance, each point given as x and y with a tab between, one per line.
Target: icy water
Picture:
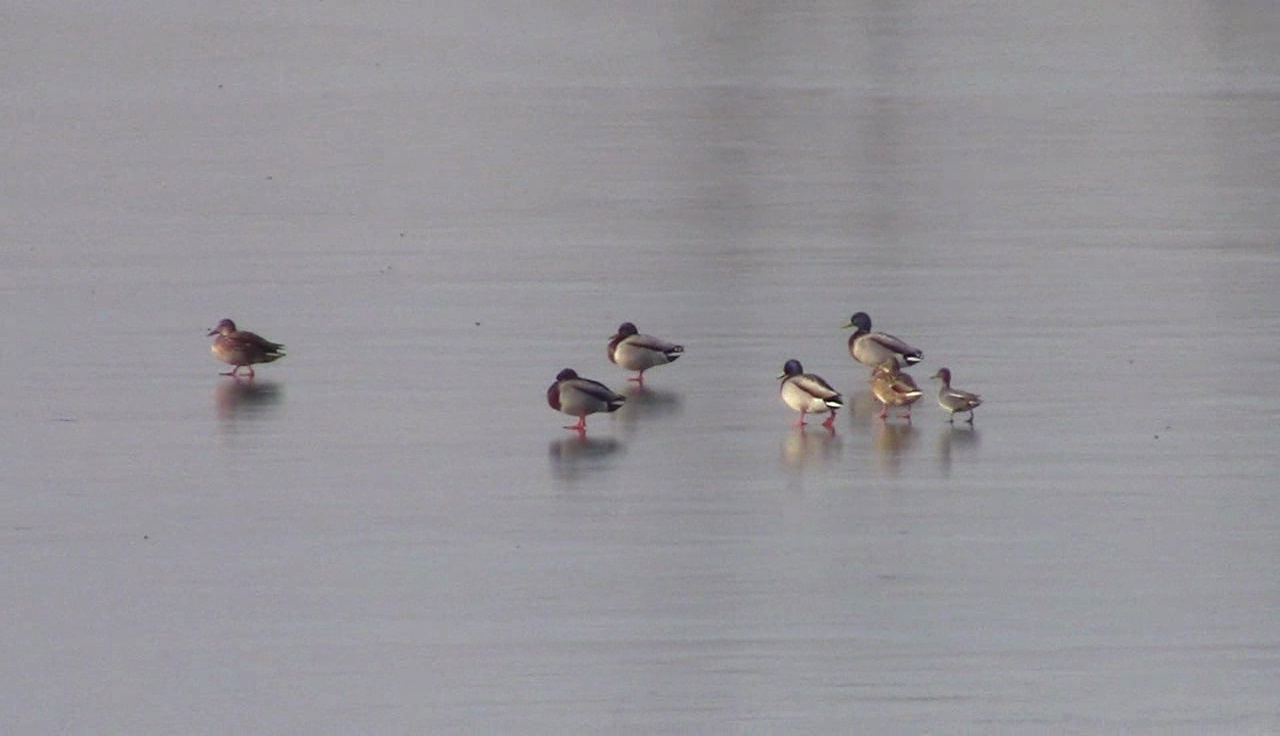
1075	208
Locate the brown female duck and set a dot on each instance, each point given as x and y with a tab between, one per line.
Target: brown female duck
894	388
242	349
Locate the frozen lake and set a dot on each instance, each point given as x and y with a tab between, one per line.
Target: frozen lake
1075	208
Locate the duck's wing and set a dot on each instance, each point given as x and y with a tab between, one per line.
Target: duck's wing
649	342
596	390
897	345
255	341
818	388
964	396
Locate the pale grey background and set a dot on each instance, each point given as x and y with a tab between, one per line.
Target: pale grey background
438	206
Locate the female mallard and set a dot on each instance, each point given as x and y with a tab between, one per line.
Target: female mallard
894	388
873	348
953	399
808	393
636	352
579	397
242	349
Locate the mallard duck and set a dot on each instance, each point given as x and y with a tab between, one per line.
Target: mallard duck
953	399
873	348
242	349
894	388
808	393
579	397
636	352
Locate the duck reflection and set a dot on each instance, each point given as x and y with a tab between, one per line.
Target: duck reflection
644	403
958	438
579	455
239	398
863	404
806	449
892	443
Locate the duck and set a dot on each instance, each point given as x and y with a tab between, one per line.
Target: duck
242	349
873	348
894	388
578	397
808	393
954	400
636	352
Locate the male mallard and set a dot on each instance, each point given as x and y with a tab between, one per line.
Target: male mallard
579	397
894	388
636	352
953	399
242	349
808	393
873	348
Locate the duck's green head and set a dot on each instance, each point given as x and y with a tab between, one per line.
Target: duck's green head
859	320
791	368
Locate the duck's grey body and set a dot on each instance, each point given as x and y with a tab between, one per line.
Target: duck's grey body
580	397
808	393
874	348
636	352
953	400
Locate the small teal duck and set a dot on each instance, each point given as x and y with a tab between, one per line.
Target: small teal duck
807	393
579	397
873	348
954	400
894	388
242	349
636	352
